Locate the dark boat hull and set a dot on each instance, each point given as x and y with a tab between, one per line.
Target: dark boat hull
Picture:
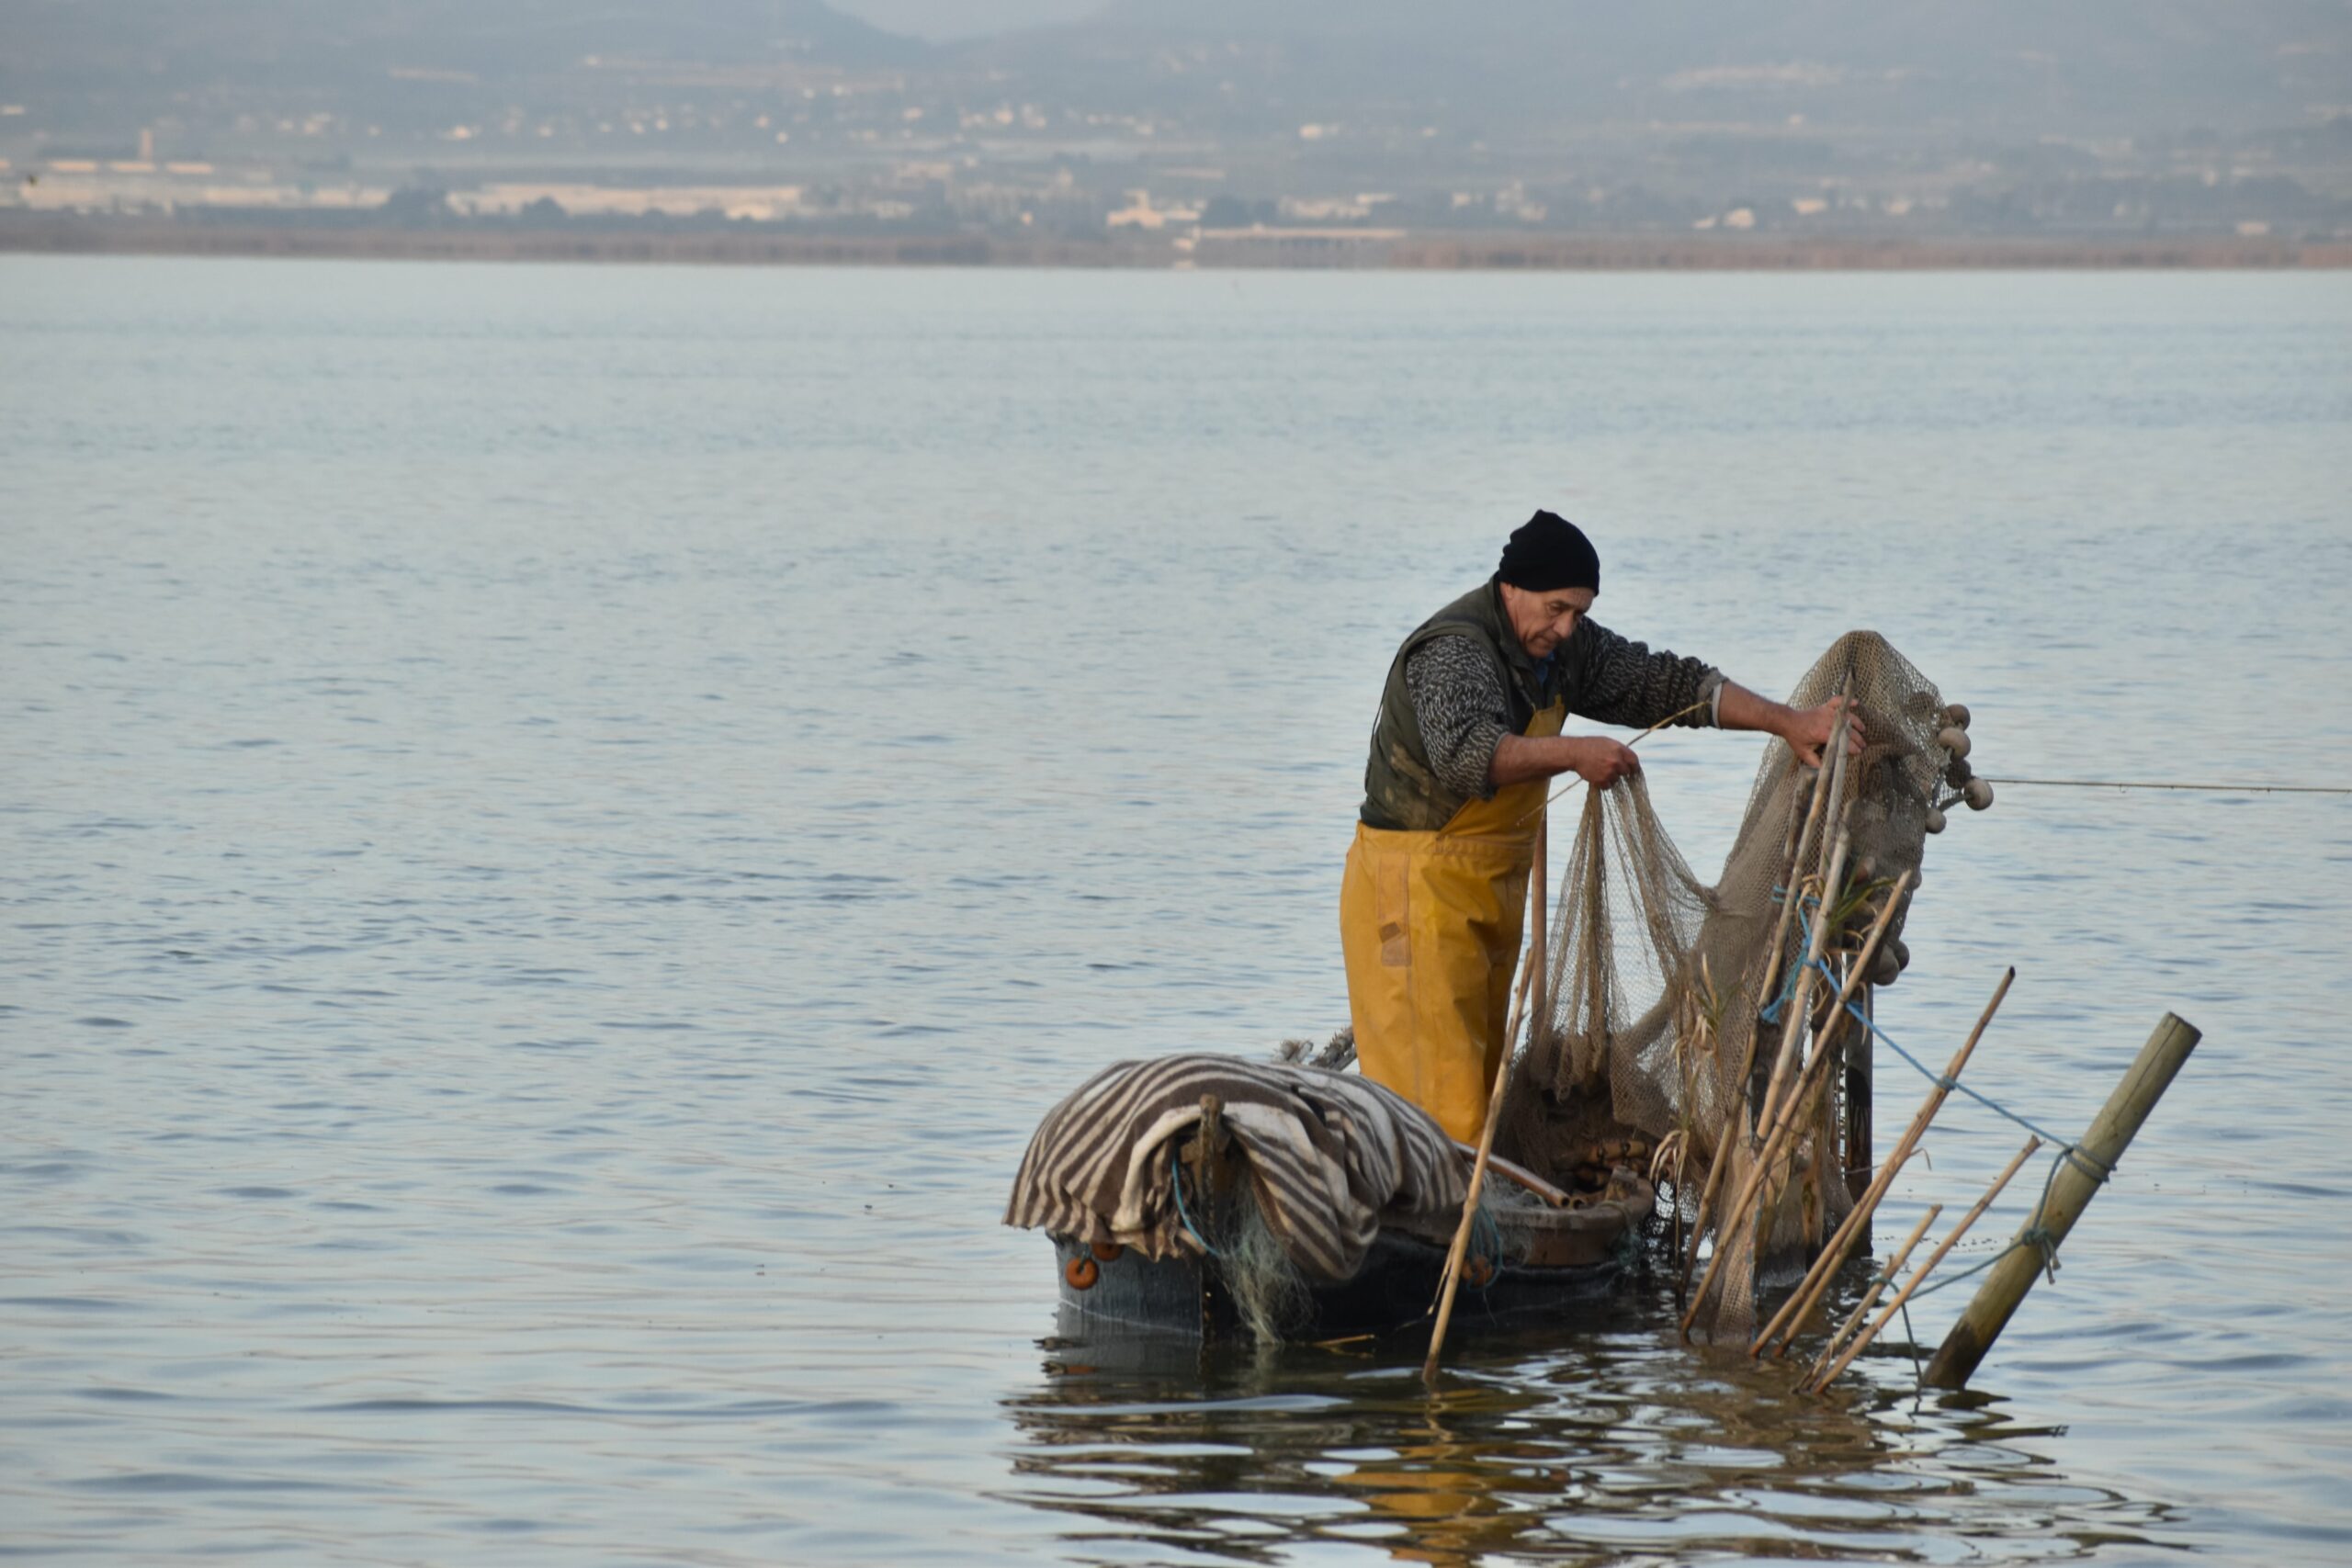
1396	1287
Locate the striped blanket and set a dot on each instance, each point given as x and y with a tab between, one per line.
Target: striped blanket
1331	1158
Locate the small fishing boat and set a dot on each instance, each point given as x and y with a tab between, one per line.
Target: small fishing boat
1202	1196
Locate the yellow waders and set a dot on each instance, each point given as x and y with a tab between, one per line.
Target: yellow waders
1431	924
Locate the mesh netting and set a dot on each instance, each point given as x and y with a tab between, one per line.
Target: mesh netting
1651	1032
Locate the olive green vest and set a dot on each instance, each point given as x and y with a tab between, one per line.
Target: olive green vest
1400	793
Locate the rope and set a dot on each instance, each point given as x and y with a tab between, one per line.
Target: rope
1789	984
2146	783
1185	1219
2034	1235
1911	1343
2089	1164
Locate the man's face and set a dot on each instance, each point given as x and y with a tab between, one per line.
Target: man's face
1544	620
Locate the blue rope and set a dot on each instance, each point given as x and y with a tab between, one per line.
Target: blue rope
2088	1164
2034	1235
1176	1180
1789	981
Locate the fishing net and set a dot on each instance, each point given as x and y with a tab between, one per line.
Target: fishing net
1656	1030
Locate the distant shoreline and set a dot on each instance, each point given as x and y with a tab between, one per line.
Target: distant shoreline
51	233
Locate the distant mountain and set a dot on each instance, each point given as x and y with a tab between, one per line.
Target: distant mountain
2059	66
966	18
2009	117
1503	69
321	43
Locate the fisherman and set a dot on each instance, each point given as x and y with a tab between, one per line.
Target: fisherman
1432	902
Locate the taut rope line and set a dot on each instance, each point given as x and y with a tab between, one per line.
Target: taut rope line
2149	783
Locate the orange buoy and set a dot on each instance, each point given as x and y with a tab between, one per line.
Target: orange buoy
1106	1251
1081	1273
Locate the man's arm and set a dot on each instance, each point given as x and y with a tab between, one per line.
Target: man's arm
1596	758
1806	731
1601	762
1616	681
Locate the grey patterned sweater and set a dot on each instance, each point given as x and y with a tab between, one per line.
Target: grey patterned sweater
1459	700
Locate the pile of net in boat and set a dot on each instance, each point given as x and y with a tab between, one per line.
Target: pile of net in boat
1654	1029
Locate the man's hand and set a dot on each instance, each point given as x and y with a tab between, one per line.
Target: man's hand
1597	759
1809	730
1601	762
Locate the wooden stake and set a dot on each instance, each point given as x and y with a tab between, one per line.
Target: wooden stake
1863	1306
1816	1072
1854	1142
1811	1288
1452	1283
2111	1131
1789	884
1794	1023
1826	781
1791	892
1861	1341
1829	1043
1759	1176
1539	882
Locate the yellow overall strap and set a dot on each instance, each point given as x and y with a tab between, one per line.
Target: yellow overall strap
1430	924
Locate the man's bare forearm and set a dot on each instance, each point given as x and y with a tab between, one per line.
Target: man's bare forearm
1806	731
1738	708
1519	757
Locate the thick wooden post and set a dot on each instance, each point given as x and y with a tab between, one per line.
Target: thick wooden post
2006	1282
1860	1164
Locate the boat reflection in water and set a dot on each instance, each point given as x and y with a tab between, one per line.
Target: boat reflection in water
1617	1444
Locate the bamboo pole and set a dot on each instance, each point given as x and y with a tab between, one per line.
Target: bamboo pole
1809	1291
1790	895
1452	1283
2070	1190
1759	1176
1796	1020
1861	1341
1725	1138
1792	1113
1789	883
1539	883
1862	1307
1827	780
1794	1023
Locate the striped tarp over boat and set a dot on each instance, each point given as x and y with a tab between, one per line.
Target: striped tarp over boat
1331	1158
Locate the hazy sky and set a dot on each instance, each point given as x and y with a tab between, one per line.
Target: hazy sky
963	18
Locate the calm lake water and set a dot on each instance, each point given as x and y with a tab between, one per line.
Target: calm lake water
563	825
